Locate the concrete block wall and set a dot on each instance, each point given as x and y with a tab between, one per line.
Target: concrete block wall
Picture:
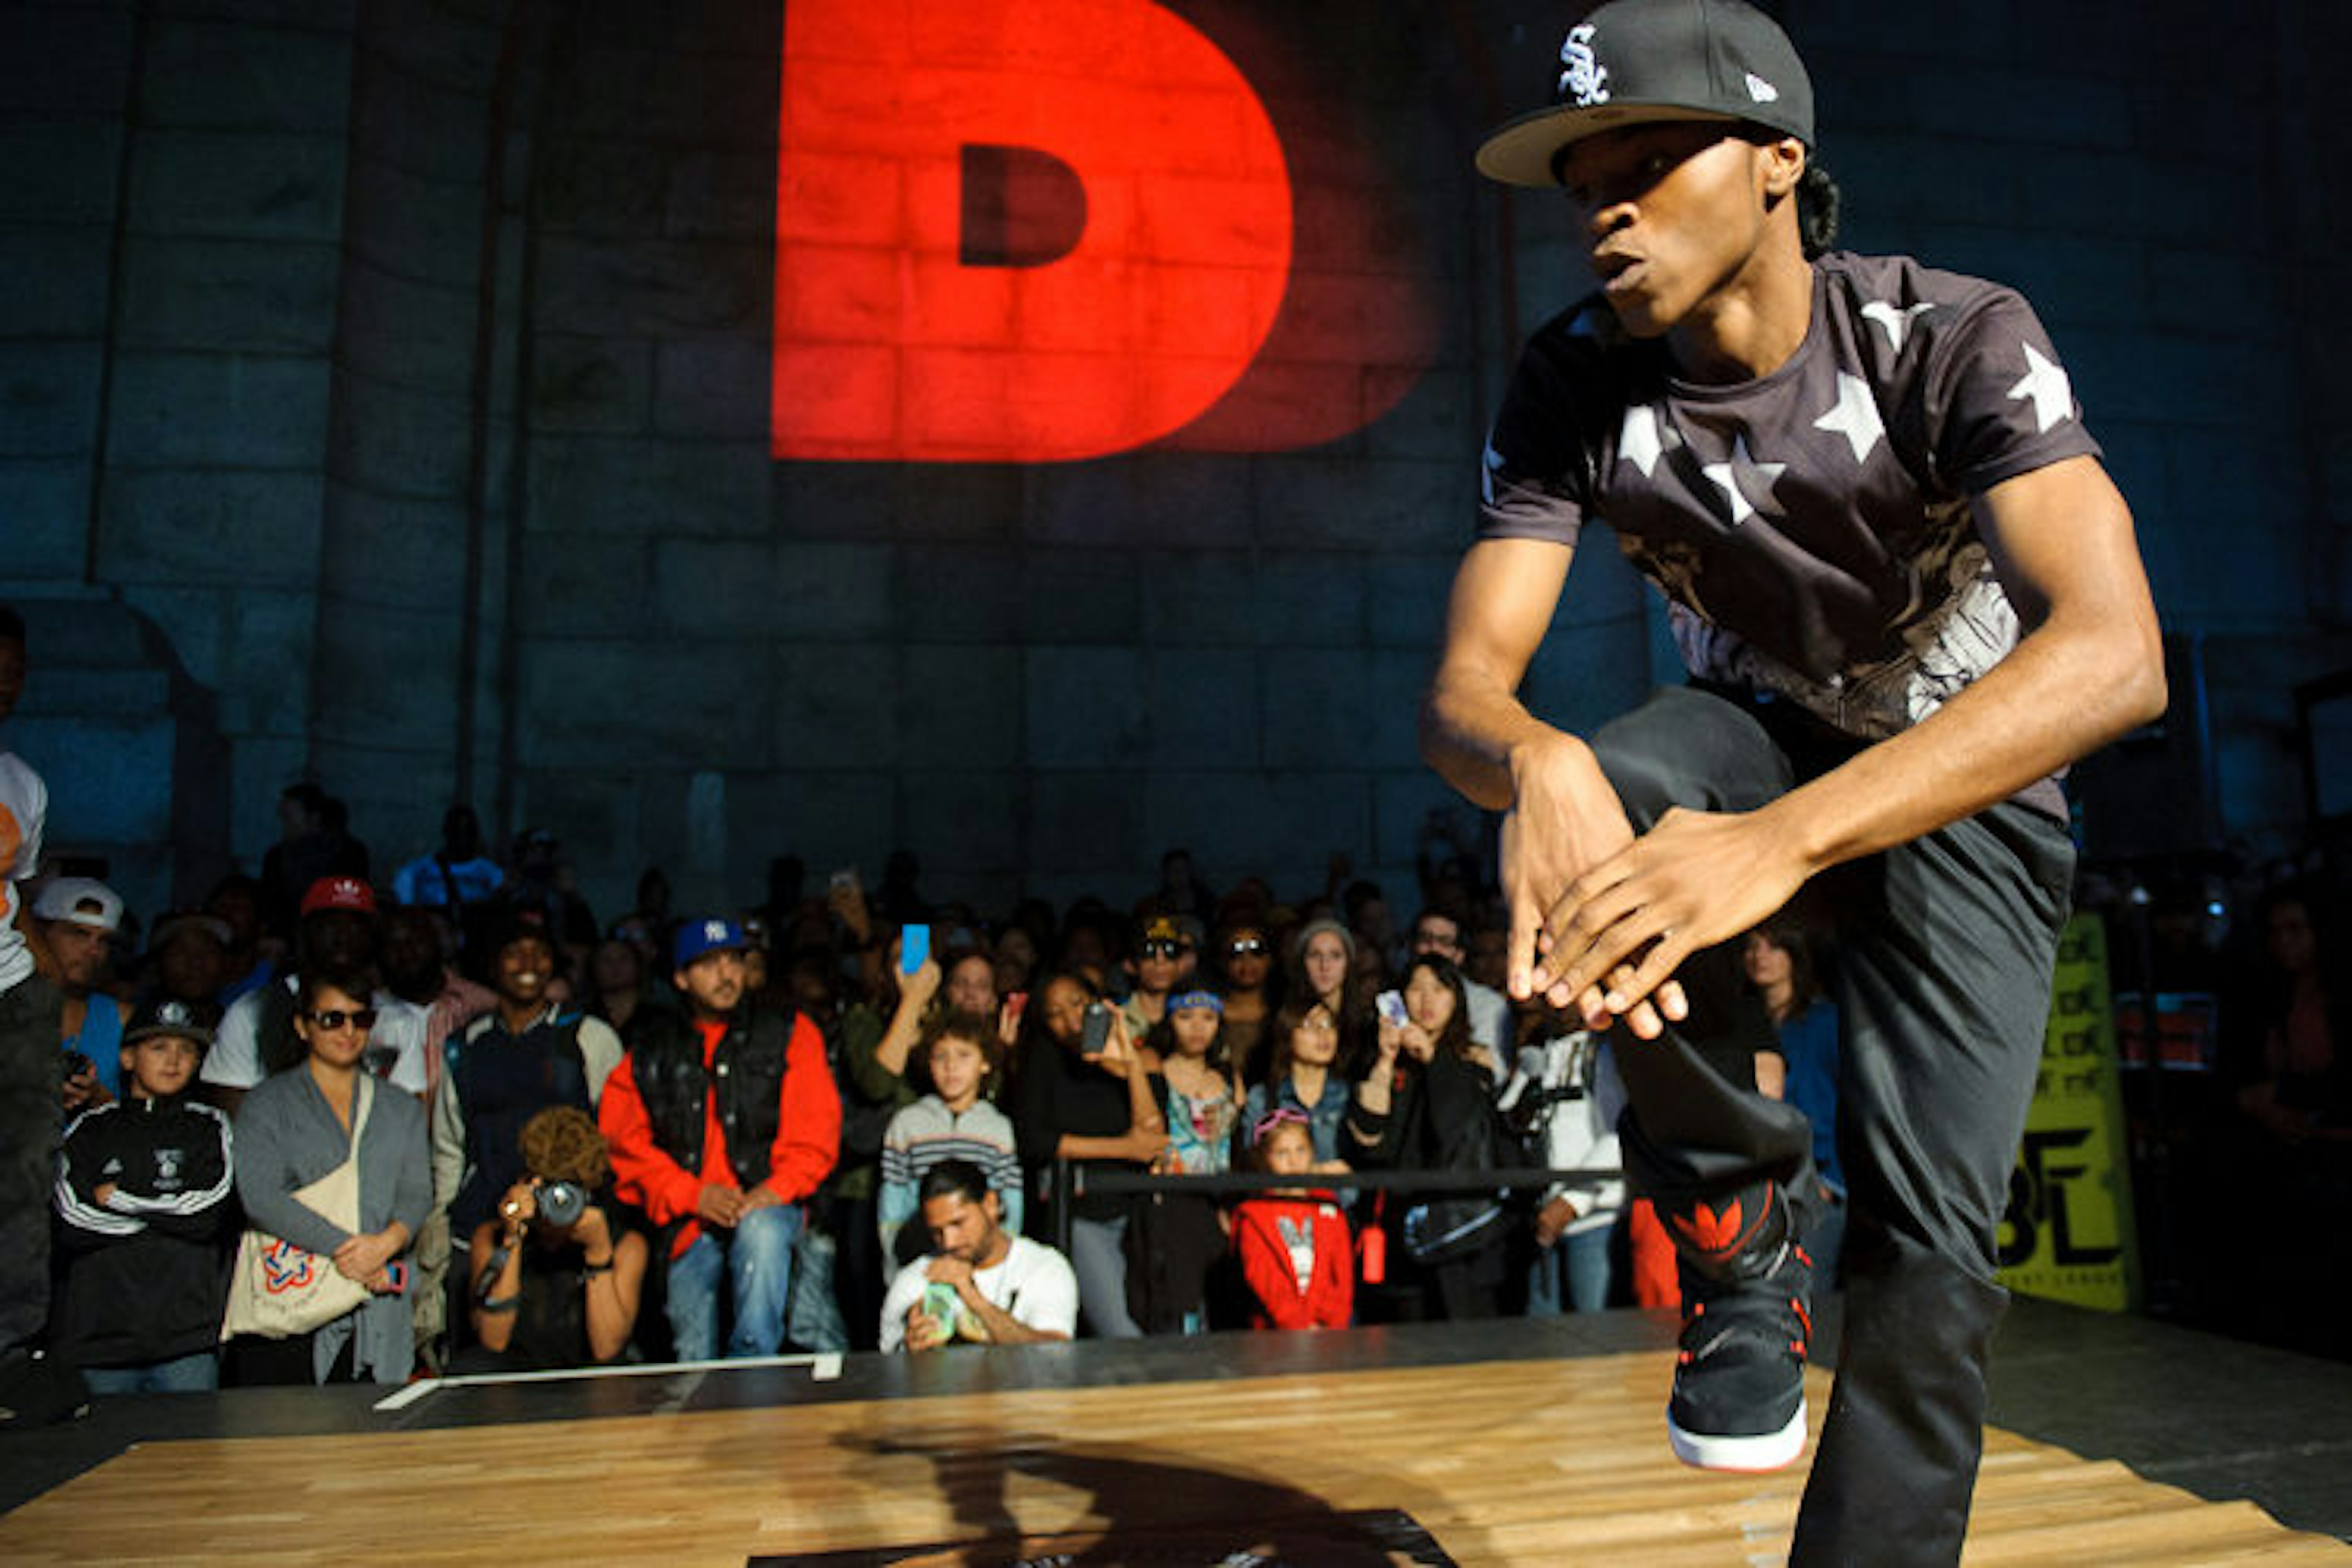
1037	678
407	371
213	475
111	722
65	76
2156	181
401	571
112	718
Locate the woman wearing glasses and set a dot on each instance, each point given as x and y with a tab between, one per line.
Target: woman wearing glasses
296	1127
1242	960
1307	1076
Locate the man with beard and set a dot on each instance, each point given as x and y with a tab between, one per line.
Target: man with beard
423	991
722	1121
980	1282
78	917
527	1054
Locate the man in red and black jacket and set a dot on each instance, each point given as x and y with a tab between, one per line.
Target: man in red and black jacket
721	1121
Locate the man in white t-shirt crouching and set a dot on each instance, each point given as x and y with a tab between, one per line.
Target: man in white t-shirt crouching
980	1283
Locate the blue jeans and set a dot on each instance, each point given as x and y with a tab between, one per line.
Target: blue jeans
1098	1257
196	1373
1580	1261
756	1261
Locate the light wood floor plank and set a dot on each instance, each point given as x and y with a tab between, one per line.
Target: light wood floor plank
1536	1463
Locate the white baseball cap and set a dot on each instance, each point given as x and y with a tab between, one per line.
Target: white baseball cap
80	901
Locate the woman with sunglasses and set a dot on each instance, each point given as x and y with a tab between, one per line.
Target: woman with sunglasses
1242	960
296	1127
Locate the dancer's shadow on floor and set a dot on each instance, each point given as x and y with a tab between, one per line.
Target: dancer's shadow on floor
1151	1511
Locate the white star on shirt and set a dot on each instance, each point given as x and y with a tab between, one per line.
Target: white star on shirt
1639	442
2045	382
1856	417
1895	319
1726	476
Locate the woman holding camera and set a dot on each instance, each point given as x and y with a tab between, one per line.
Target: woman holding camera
556	1279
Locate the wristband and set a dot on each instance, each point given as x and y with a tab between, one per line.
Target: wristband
603	1268
487	1280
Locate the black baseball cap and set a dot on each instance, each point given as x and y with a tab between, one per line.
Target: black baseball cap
169	1016
1632	61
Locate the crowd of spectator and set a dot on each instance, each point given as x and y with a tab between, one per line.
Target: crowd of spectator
852	1118
847	1118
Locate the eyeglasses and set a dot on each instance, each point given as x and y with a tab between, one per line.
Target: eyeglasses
1319	1023
1161	949
1249	947
1273	1119
336	1018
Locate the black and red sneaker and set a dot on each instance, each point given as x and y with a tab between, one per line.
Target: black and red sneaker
1740	1378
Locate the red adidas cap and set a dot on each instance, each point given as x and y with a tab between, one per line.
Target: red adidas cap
340	893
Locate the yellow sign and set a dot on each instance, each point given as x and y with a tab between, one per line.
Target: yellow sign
2068	1232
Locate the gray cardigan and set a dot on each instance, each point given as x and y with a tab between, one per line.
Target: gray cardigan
288	1137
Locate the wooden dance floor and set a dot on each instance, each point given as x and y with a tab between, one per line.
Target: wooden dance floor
2118	1441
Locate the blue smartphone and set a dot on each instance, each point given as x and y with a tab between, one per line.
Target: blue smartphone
398	1269
914	948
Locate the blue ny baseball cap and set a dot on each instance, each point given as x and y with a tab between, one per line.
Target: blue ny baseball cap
696	938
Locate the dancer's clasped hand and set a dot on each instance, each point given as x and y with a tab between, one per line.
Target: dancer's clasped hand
1611	942
1601	919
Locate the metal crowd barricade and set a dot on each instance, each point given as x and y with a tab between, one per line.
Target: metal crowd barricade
1077	1182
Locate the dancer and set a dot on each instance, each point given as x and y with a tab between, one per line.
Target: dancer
1910	595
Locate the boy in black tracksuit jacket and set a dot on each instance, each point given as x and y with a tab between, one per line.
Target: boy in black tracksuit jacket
145	1199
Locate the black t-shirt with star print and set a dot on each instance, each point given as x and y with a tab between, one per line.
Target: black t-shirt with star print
1813	531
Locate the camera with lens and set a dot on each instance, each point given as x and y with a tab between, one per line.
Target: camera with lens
561	1203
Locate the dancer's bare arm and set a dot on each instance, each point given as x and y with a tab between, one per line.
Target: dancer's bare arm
1561	817
2089	667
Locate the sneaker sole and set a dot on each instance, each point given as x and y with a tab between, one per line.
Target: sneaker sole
1752	1454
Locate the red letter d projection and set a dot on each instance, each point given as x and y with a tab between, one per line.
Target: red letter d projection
1014	230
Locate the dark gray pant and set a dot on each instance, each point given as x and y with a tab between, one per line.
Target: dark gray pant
1942	982
32	1075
